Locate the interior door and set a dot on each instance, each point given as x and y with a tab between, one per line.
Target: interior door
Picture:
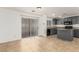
25	27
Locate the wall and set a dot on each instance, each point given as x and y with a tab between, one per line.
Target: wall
10	25
42	30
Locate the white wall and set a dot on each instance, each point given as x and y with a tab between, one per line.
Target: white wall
42	26
10	25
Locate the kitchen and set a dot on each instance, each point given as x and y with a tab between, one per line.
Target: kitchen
65	28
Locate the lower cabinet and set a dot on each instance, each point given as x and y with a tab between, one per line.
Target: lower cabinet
76	33
48	32
52	31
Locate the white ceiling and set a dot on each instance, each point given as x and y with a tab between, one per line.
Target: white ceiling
51	11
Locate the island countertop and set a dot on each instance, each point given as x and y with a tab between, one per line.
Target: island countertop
63	26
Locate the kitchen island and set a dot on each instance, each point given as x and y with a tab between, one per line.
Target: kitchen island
65	34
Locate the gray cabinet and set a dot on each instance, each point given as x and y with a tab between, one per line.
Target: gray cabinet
60	21
53	31
49	22
75	20
76	33
65	34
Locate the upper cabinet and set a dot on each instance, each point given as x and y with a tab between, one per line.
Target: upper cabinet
54	21
58	21
76	20
49	22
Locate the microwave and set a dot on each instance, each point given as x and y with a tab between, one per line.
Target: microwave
68	23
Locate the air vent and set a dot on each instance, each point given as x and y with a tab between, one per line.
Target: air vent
38	7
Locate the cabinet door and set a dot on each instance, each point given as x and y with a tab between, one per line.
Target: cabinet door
76	33
49	22
77	20
60	21
74	20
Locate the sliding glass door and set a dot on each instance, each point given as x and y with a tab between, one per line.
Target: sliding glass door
29	27
33	27
25	27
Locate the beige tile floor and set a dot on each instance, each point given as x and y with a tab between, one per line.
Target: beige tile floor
41	44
